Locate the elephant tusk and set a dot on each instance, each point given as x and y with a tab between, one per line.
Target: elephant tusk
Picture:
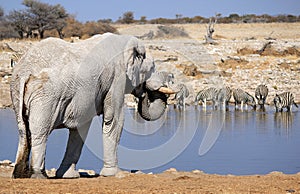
166	90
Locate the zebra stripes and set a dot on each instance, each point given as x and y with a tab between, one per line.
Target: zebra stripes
208	94
220	97
223	97
217	96
284	100
261	93
241	97
181	95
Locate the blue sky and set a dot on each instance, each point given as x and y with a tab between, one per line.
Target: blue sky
88	10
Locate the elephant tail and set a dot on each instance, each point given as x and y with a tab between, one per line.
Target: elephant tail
18	90
17	95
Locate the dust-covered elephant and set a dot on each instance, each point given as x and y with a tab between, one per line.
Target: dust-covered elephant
64	85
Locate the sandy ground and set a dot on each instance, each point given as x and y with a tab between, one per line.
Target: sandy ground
170	181
278	72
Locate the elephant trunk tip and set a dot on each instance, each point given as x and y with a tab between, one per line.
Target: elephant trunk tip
152	106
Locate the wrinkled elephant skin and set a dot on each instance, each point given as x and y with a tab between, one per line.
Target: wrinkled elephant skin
64	85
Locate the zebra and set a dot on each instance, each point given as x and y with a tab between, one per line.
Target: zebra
181	95
204	95
240	97
284	100
261	93
223	96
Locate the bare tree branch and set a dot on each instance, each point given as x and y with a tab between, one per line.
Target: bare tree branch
210	30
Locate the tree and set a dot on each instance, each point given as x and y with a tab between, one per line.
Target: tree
73	28
20	21
59	15
93	28
233	15
128	17
143	19
178	16
198	19
43	16
6	30
106	21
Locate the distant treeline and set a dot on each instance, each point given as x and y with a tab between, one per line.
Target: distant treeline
232	18
40	20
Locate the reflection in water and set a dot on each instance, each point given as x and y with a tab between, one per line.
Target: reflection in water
229	121
242	119
213	131
146	155
262	117
283	121
250	142
262	122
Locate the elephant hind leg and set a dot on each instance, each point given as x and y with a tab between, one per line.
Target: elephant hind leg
40	129
21	169
38	152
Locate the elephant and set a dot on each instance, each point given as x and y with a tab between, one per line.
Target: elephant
58	84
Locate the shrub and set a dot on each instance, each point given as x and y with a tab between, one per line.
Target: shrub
170	32
92	28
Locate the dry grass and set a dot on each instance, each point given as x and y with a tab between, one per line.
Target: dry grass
244	30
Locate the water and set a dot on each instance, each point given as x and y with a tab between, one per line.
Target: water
247	142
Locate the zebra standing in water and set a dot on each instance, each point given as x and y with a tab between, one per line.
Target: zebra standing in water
241	97
223	96
206	95
284	100
261	94
181	95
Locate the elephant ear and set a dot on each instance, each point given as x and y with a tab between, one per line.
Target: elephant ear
134	54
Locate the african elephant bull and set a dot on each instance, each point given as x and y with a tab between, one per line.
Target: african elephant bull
64	85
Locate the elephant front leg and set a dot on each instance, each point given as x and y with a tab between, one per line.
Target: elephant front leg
113	120
76	140
110	166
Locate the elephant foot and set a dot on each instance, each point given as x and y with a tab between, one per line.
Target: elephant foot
39	175
67	172
21	171
109	171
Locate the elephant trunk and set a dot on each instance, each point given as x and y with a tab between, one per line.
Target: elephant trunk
152	104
